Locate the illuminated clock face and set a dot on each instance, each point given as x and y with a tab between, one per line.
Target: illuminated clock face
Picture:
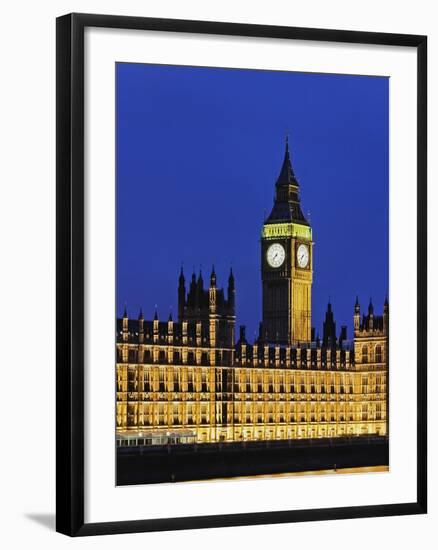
275	255
303	255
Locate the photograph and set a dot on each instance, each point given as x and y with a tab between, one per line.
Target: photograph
252	273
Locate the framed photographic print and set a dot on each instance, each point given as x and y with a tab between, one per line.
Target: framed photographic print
241	274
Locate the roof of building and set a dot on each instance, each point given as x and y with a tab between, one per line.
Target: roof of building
287	175
287	206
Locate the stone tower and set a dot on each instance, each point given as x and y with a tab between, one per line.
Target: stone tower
287	264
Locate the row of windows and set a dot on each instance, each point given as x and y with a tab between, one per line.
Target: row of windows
304	357
242	390
131	420
372	355
164	415
248	376
256	408
246	382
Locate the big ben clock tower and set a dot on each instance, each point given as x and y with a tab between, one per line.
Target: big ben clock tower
287	258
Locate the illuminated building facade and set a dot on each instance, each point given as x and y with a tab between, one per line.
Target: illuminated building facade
188	380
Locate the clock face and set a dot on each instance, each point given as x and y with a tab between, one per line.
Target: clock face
303	255
275	255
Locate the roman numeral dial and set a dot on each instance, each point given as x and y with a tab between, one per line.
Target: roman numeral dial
303	255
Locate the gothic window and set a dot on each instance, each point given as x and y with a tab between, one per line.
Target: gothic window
131	415
365	354
282	415
271	384
204	381
175	415
260	414
248	414
378	411
260	383
132	382
378	354
176	381
342	414
332	413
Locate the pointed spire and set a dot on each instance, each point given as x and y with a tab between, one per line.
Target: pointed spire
170	315
213	277
192	290
182	279
357	305
125	312
200	279
231	278
140	315
287	175
287	205
156	314
370	308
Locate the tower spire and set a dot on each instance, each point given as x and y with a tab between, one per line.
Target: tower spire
357	306
287	207
213	276
287	175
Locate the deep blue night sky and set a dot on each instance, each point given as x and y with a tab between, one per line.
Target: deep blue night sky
198	154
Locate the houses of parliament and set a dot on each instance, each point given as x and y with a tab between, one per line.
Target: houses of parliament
189	381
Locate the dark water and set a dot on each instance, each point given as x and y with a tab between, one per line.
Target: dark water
175	463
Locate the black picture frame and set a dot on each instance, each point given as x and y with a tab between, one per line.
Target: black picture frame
70	273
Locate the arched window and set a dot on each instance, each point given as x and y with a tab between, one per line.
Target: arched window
378	354
364	354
